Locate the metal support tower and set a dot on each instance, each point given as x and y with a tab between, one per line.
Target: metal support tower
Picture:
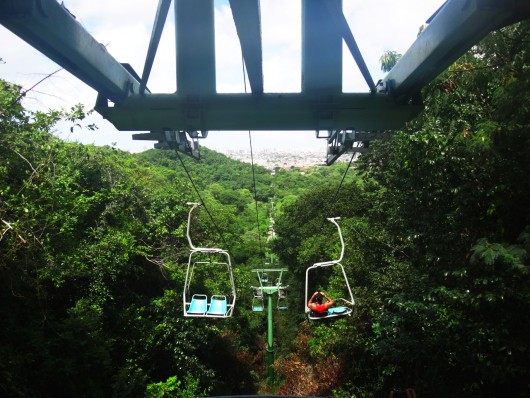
269	287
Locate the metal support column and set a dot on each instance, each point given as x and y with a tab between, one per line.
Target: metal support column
195	32
270	283
321	49
270	347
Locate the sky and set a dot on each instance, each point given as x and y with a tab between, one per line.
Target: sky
124	26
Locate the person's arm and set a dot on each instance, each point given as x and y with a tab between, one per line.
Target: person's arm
310	303
330	301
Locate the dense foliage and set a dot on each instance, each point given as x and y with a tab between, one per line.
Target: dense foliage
93	255
93	252
92	249
438	240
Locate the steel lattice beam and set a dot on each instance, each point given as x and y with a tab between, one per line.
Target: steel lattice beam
195	37
321	49
268	111
247	19
158	27
454	28
51	29
196	106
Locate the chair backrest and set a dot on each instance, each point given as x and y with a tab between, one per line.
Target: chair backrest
199	304
217	306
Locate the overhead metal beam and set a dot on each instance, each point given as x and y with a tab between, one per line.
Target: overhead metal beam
194	28
54	31
339	20
453	30
247	19
158	27
321	49
285	111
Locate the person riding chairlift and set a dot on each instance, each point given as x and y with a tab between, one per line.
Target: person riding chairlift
316	305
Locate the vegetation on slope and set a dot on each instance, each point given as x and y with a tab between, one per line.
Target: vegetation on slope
438	242
436	220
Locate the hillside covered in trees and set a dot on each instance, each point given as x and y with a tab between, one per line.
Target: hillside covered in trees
436	220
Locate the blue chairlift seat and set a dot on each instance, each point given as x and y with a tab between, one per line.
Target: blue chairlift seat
218	306
198	305
338	310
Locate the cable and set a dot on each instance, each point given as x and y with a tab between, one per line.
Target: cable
343	177
359	231
255	191
335	197
252	164
200	198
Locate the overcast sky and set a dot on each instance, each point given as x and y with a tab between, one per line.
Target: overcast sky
125	27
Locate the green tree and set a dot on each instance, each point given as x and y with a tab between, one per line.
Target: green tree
388	60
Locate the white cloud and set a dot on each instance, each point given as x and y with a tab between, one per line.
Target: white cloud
125	25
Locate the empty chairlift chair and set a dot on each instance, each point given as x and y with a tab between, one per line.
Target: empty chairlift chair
208	267
282	299
270	284
337	310
257	300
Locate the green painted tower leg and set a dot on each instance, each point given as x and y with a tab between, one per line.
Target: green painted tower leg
270	348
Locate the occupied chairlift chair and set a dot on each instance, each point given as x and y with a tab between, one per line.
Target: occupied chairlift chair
336	311
197	305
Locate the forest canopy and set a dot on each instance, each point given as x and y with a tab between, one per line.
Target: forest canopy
436	221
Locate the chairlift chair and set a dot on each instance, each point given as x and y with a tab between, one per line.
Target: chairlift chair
266	276
196	304
282	299
257	300
336	310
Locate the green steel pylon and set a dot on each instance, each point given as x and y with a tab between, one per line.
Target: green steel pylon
269	286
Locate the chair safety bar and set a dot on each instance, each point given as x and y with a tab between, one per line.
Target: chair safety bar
338	310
